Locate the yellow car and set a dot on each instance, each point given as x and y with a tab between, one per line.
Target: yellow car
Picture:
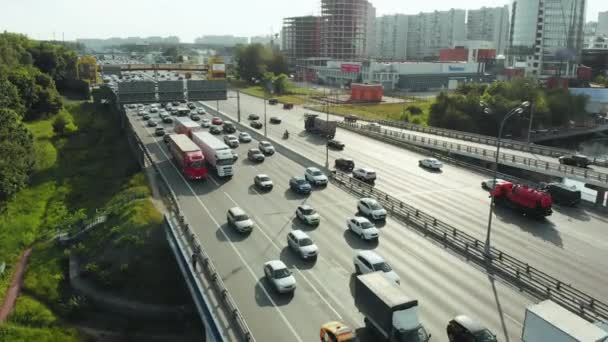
337	332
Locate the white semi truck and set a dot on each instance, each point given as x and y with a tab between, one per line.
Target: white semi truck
217	154
549	322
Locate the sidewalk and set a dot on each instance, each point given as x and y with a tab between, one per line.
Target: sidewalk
16	283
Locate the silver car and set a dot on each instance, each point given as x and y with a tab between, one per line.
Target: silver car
205	123
237	218
302	244
308	215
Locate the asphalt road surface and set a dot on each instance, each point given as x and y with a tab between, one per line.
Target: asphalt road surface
571	244
444	284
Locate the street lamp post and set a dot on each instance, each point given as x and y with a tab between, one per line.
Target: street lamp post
517	110
530	123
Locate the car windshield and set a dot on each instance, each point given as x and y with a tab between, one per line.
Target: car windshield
371	174
375	205
308	211
484	336
366	225
317	173
264	179
282	273
305	242
242	217
382	266
300	181
419	335
265	144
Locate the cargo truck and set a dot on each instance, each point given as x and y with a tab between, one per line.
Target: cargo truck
185	125
217	154
547	321
528	201
316	125
388	310
187	156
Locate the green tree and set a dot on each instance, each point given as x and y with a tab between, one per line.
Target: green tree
17	151
278	64
9	96
281	84
252	61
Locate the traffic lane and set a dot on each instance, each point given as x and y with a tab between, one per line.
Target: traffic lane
336	206
455	198
257	307
256	104
410	255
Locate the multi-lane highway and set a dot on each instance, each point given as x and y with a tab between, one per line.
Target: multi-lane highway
444	284
571	244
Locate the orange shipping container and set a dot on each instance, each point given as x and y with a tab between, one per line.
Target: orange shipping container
366	92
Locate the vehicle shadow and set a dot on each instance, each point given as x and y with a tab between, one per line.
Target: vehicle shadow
366	335
579	214
540	228
291	195
291	259
296	223
356	242
429	170
254	190
246	161
227	233
270	295
314	139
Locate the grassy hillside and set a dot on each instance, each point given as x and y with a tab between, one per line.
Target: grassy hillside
86	169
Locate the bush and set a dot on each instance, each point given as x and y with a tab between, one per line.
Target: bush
30	312
14	333
64	124
416	121
415	110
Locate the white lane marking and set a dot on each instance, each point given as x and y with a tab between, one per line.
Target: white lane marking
513	320
298	270
253	275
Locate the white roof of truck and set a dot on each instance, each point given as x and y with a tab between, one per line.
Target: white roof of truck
568	322
186	122
210	140
184	143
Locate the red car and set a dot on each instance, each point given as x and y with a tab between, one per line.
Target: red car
217	121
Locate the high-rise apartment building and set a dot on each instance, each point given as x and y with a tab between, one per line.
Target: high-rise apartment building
390	33
547	35
602	24
301	37
430	32
489	24
347	29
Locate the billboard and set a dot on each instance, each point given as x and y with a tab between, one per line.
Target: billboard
349	67
202	90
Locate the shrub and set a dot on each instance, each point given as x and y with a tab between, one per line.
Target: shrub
415	110
30	312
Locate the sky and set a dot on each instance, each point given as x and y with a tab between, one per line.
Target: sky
188	19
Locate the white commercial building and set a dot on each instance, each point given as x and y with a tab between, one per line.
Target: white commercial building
602	24
489	24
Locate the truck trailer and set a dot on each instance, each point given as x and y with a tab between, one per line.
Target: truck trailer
388	310
530	202
316	125
187	156
217	154
185	125
547	321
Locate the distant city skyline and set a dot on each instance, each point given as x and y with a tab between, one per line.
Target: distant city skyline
190	19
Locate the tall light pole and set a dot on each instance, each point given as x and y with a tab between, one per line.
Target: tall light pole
327	122
517	110
530	123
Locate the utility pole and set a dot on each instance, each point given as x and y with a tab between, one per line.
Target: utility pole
238	105
530	123
265	122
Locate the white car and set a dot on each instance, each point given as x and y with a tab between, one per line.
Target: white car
315	176
244	137
263	182
430	163
266	147
371	208
308	215
205	123
280	276
237	218
201	111
364	174
231	141
362	227
302	244
369	261
489	184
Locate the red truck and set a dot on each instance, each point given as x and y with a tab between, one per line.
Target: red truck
185	125
188	157
529	201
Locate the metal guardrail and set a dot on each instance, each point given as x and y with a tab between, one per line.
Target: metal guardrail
582	174
517	272
193	244
479	138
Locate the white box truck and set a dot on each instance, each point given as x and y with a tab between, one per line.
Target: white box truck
217	154
186	126
549	322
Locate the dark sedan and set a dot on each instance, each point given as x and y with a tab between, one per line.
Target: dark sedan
338	145
256	124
